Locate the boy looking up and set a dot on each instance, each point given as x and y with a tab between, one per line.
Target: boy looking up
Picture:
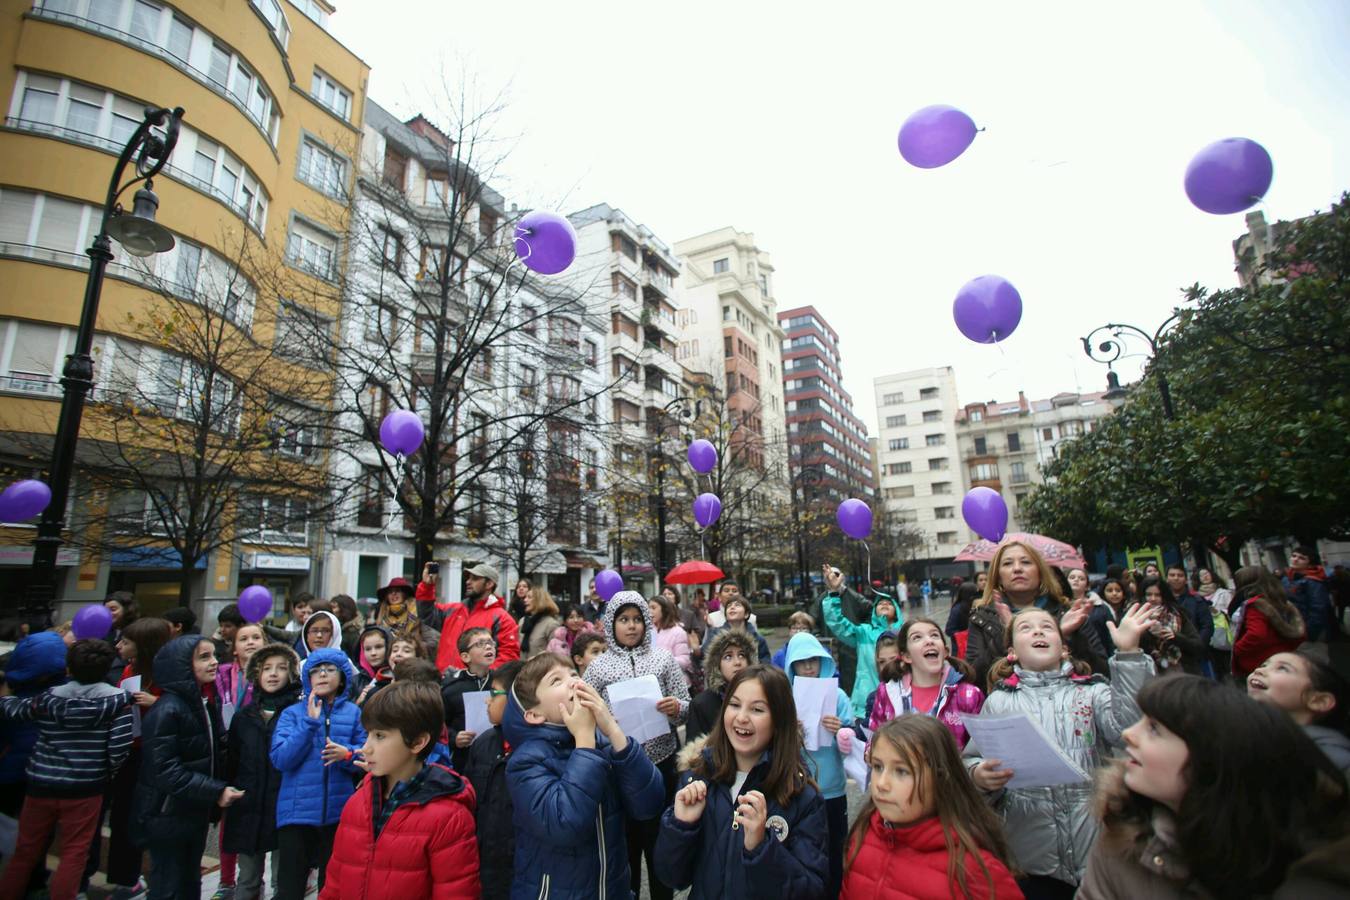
477	653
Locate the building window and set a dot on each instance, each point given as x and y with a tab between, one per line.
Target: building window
984	472
624	244
370	498
932	415
310	249
1018	473
1070	429
898	444
331	95
895	421
721	266
942	487
321	169
902	468
1020	498
892	399
976	415
935	440
898	493
395	169
944	512
981	446
1014	442
1047	434
928	394
937	463
623	287
301	335
946	537
592	352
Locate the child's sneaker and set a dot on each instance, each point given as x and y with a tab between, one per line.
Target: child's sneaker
135	892
224	892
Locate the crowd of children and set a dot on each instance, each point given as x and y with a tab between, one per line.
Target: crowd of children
344	754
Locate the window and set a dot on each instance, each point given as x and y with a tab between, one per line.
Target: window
898	493
310	249
274	520
395	169
592	352
623	287
1014	442
903	468
981	446
944	512
432	264
296	432
1020	498
726	314
1018	472
892	399
302	335
1069	429
380	322
946	537
935	440
370	497
482	365
330	94
895	421
937	464
942	487
932	415
321	169
623	244
728	349
271	11
721	266
1047	434
563	332
976	415
984	472
928	394
437	191
898	444
189	264
390	252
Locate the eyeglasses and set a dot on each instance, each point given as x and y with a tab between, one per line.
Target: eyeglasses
483	643
496	693
324	670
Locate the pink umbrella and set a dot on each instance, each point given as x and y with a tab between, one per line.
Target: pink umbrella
1056	553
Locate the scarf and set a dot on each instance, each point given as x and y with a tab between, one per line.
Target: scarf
402	624
1208	589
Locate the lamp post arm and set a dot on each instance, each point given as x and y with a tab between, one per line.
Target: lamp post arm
150	151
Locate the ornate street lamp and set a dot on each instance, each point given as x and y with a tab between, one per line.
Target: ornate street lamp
1111	348
140	235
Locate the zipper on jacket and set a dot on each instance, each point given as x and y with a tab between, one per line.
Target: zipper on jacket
327	722
543	888
210	737
600	833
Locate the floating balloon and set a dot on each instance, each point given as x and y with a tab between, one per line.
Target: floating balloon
24	499
546	242
608	583
702	456
855	518
1229	175
402	432
707	509
986	513
92	621
935	135
987	309
255	602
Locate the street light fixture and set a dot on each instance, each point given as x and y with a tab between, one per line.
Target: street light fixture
140	235
1111	348
679	410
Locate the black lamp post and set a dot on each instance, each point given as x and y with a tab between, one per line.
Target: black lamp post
141	236
1110	349
803	477
683	414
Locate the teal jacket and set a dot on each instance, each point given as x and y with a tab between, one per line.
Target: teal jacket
863	639
826	762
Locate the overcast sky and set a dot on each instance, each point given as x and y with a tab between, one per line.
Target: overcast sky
782	121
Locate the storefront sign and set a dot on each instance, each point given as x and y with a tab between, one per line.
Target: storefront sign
272	562
23	556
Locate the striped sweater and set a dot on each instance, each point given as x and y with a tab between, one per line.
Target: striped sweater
84	735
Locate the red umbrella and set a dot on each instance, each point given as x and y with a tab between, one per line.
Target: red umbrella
696	571
1056	553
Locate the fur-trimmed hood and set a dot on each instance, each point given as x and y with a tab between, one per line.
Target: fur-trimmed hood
712	657
1287	625
690	752
266	652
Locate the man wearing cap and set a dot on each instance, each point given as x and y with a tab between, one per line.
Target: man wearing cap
480	609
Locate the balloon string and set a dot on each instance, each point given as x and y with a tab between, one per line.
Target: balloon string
868	551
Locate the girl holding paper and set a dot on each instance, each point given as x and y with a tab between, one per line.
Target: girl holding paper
926	679
1051	829
629	653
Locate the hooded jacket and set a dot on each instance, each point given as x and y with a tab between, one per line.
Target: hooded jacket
364	674
1307	588
1051	829
425	851
251	826
302	650
182	750
955	698
453	619
37	663
863	639
762	653
569	806
707	706
919	850
312	793
988	639
1332	743
827	765
621	663
709	855
1263	632
486	771
84	736
562	639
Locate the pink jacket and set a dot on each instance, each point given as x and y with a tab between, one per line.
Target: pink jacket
676	640
956	697
562	639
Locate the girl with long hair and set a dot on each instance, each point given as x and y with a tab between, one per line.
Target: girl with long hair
747	820
925	818
1109	607
1051	829
519	595
670	634
1019	578
573	625
1308	686
1267	620
540	622
1173	640
1216	796
925	679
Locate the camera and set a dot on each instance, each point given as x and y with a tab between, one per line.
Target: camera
434	568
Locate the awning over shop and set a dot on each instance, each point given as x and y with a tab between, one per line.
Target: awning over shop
577	561
151	558
552	563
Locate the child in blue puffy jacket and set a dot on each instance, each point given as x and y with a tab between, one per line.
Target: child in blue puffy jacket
314	747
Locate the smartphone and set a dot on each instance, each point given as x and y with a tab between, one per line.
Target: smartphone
434	568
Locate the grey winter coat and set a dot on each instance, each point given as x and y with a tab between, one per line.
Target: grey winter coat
621	663
1335	745
1051	830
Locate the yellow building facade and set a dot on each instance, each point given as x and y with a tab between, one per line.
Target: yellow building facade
262	172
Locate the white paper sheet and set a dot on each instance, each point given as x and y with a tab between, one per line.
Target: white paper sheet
634	703
133	684
855	764
815	698
1023	746
475	711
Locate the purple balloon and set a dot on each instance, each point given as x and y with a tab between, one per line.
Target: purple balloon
986	513
92	621
702	456
1229	175
255	602
608	583
987	309
546	242
935	135
855	518
402	432
24	499
707	509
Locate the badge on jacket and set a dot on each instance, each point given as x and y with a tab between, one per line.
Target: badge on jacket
779	826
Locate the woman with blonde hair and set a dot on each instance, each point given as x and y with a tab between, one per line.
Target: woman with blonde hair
541	620
1019	577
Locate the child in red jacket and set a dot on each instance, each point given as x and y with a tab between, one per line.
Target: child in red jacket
408	831
920	801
